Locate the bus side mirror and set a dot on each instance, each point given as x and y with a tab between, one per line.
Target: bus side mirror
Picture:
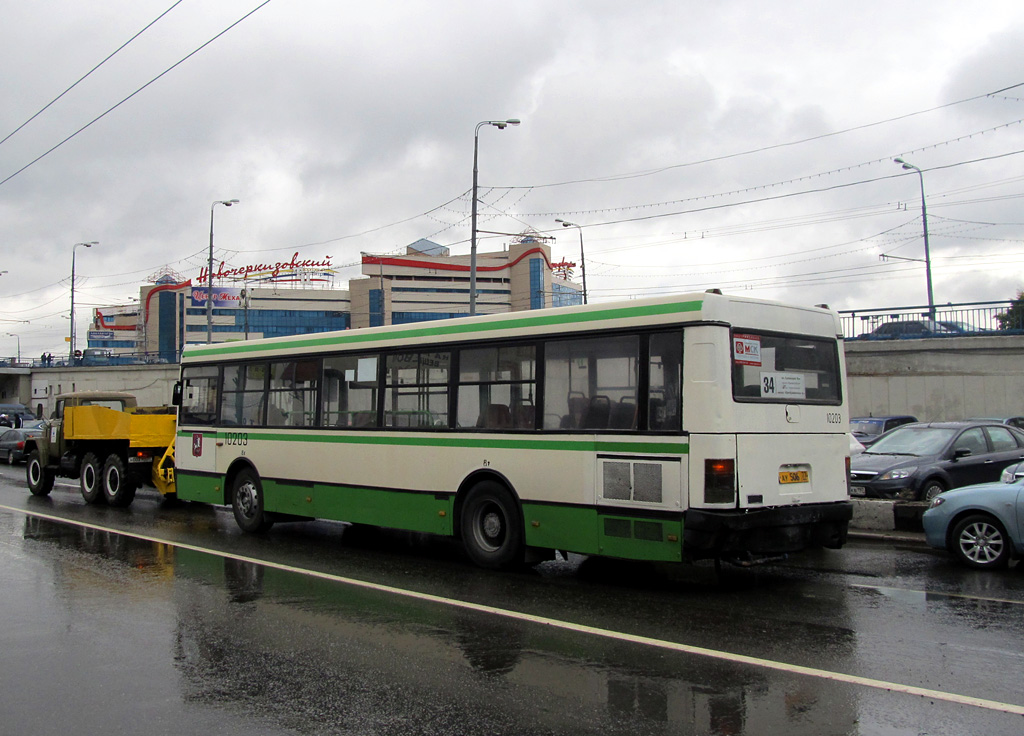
176	394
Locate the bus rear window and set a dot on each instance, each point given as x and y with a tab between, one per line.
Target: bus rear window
784	368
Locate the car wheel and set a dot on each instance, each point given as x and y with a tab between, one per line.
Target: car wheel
931	489
247	503
980	541
39	477
90	478
10	457
118	486
491	531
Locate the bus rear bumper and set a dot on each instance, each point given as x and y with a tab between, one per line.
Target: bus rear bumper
768	531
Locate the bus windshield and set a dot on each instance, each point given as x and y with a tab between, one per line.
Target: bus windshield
788	368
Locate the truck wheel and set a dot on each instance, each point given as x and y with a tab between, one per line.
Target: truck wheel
39	477
90	478
118	486
247	503
491	531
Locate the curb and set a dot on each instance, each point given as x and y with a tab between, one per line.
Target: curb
893	537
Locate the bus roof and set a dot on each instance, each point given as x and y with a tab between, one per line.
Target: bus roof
652	311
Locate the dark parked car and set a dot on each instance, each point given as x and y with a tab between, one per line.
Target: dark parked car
869	429
982	525
963	328
12	444
1012	421
920	461
912	328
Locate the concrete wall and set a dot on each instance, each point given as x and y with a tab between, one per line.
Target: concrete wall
938	378
151	384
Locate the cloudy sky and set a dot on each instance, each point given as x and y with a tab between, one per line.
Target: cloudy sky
734	144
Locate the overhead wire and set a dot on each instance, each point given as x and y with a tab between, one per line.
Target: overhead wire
88	73
109	110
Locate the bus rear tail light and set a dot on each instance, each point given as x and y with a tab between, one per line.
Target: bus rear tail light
719	480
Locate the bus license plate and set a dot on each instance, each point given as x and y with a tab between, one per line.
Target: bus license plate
793	476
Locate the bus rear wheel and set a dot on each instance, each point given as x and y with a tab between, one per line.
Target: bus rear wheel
39	477
90	478
491	531
247	503
118	487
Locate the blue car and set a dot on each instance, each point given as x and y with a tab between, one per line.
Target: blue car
982	525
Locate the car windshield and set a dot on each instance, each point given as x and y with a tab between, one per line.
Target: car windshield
866	426
909	440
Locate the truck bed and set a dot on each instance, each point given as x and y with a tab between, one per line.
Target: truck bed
141	429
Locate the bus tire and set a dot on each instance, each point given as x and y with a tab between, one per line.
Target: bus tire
39	477
247	503
118	486
492	534
90	478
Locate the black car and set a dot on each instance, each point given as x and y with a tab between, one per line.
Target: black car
920	461
911	328
12	444
1012	421
869	429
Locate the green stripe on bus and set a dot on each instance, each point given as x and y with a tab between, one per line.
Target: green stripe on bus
448	441
571	528
362	336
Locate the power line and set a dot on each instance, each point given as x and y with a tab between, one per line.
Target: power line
147	84
119	48
776	146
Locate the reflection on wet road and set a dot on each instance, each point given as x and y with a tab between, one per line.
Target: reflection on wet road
107	630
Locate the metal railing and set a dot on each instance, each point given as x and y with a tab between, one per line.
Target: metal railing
88	361
951	320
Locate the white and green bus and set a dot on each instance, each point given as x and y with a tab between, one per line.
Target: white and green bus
686	427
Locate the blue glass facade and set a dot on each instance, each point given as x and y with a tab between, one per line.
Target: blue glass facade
563	296
276	322
376	307
402	318
536	283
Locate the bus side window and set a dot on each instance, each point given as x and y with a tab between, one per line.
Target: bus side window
665	382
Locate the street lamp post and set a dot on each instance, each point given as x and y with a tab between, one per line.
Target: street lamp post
927	252
500	125
583	267
11	334
209	272
71	349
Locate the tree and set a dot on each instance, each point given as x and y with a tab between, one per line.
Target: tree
1013	318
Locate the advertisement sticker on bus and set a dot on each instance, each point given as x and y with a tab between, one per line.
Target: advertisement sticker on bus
783	386
746	349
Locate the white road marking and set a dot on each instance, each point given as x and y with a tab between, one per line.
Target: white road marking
568	625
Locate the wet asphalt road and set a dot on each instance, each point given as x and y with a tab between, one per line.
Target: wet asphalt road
165	619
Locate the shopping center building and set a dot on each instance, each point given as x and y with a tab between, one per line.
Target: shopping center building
300	296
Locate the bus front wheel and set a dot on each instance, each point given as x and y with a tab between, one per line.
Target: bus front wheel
247	503
491	531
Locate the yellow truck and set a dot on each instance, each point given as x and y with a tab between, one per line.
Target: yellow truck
106	441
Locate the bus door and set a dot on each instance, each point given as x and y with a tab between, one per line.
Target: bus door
195	446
